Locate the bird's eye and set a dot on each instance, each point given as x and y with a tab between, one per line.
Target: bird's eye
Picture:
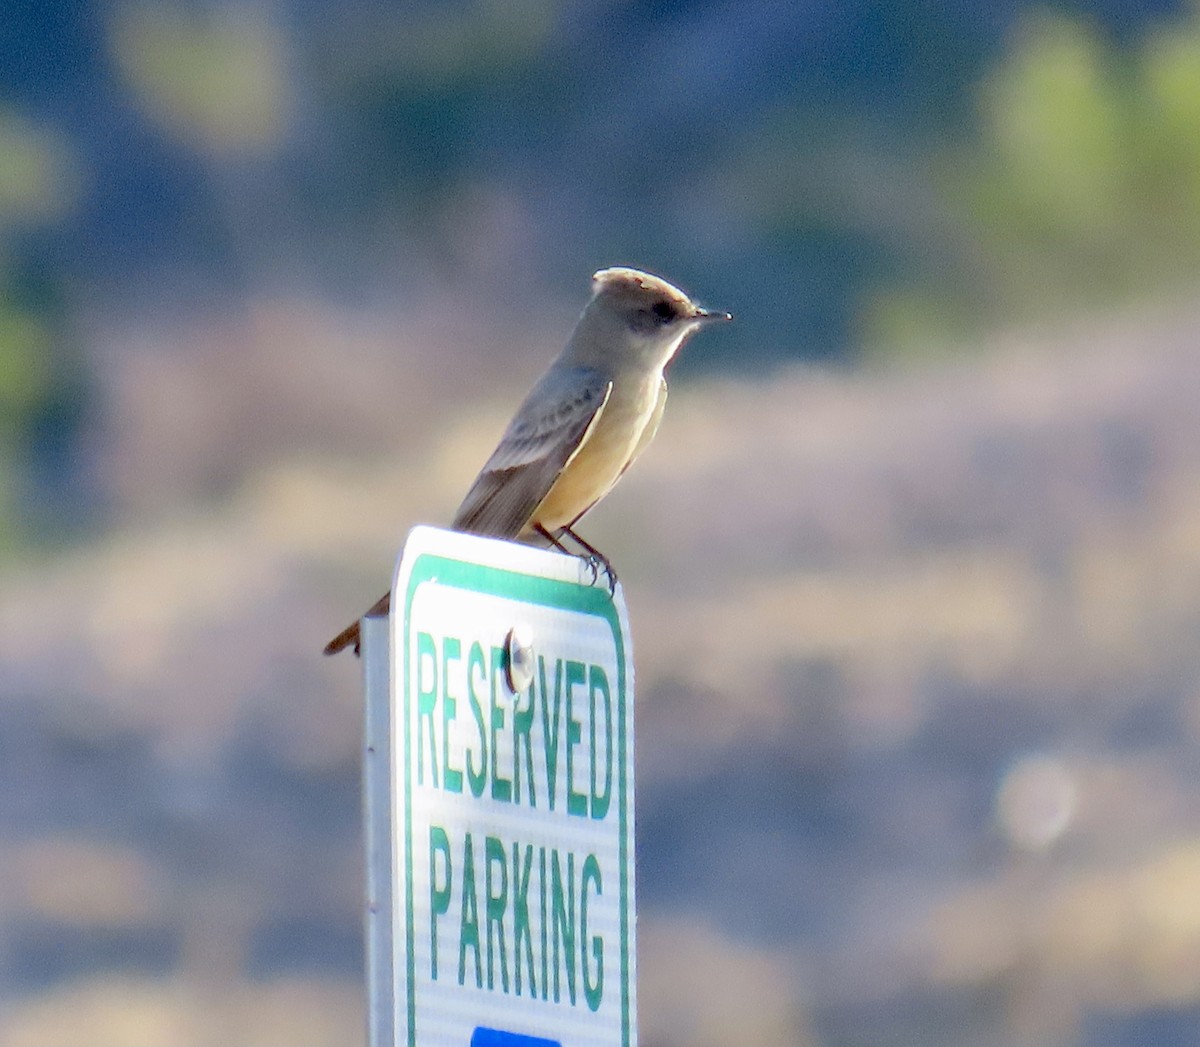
664	311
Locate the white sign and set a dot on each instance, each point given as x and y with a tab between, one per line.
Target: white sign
512	809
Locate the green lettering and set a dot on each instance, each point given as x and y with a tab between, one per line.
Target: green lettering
598	684
426	703
564	922
522	728
544	923
521	918
501	787
477	667
451	652
497	903
593	993
550	731
468	933
439	897
576	802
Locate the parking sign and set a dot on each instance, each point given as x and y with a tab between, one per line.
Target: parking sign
510	801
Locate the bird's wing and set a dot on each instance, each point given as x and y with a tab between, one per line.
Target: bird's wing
547	431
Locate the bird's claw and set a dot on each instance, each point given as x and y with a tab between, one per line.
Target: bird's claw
593	565
593	557
596	563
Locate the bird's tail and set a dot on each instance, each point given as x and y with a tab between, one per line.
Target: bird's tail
351	634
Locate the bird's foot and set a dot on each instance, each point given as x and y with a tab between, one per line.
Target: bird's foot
595	560
598	562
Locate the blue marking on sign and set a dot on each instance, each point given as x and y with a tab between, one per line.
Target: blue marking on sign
483	1037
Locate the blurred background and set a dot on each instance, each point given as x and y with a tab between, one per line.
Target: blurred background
913	566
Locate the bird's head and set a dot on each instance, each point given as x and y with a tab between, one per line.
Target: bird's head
648	315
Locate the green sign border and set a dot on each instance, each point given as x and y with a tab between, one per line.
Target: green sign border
547	592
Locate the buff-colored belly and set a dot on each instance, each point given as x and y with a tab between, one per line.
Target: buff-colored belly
600	461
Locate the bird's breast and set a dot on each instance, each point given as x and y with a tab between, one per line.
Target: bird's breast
602	457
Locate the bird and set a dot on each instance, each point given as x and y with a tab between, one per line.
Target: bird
585	422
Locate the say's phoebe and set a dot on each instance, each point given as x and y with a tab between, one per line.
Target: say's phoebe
591	414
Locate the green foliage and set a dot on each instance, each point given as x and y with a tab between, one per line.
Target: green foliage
24	383
36	175
216	80
465	44
37	185
24	364
1080	190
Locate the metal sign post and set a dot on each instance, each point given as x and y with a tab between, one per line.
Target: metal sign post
498	788
377	831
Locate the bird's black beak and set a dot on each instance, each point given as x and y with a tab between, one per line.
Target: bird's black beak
707	315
